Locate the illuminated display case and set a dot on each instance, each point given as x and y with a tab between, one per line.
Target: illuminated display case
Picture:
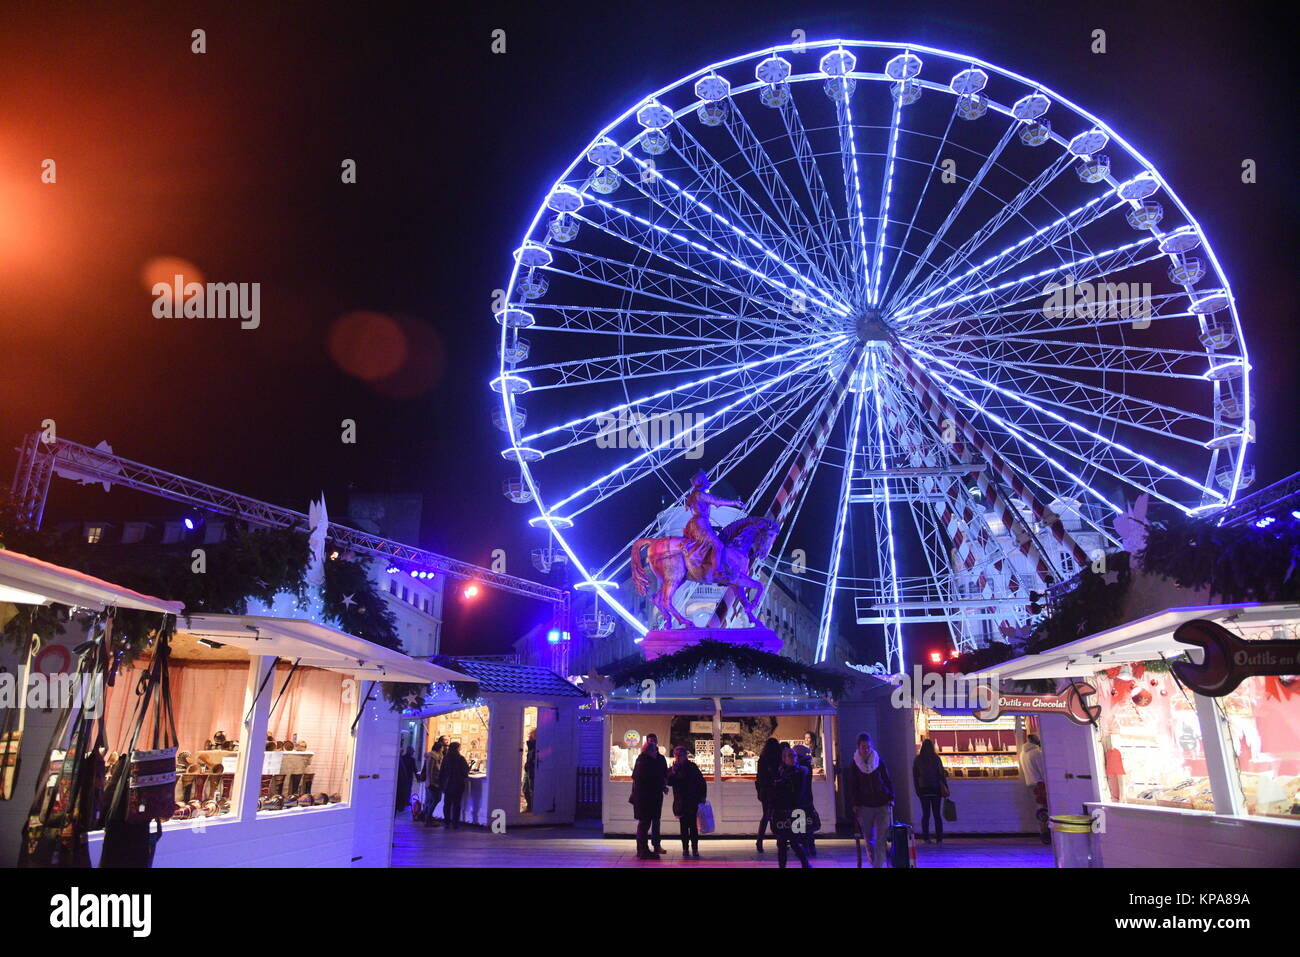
470	726
970	748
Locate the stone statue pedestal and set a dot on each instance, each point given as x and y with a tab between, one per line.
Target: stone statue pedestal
667	641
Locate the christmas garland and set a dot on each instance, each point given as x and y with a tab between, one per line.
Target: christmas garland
748	661
1238	563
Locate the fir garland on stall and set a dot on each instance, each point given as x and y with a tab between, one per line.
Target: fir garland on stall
1238	563
748	661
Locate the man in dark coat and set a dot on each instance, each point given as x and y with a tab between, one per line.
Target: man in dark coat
689	792
452	777
649	785
405	779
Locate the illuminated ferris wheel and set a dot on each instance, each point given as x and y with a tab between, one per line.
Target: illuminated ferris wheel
961	303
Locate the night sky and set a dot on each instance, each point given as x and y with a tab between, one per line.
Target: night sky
230	160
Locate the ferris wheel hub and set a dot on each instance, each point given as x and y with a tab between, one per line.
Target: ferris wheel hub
871	326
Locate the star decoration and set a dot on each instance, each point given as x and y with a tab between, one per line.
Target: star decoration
349	601
413	700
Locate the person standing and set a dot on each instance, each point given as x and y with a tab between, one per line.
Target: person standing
1034	771
451	778
787	791
769	765
930	780
870	793
649	785
433	779
405	778
530	769
689	792
803	757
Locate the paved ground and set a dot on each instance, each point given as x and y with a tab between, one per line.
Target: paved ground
584	846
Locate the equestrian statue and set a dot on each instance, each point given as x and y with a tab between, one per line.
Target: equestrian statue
705	555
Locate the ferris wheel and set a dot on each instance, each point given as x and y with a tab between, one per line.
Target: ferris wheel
962	306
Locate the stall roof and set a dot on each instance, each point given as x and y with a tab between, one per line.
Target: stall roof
500	677
318	646
1142	639
29	581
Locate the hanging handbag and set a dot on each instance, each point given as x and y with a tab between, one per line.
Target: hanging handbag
949	809
11	730
68	794
143	786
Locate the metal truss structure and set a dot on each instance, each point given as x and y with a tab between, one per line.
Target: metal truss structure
40	461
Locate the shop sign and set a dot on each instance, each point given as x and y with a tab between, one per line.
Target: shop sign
706	727
1069	702
1227	660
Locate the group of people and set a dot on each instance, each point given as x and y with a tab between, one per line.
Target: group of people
784	786
444	775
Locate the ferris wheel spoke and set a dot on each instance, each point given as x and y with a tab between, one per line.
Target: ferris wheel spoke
1033	352
1080	398
662	452
673	327
693	258
1023	289
604	370
1004	215
1087	452
789	210
831	233
916	207
886	200
689	293
744	209
841	521
1026	438
971	188
1031	321
861	271
1014	255
732	381
692	213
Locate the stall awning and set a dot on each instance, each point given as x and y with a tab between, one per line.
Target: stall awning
318	646
1143	639
29	581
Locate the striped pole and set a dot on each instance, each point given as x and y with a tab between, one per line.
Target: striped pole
938	407
803	466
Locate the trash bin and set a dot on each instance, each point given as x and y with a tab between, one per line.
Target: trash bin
1071	839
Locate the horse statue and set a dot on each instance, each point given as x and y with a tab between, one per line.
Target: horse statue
743	542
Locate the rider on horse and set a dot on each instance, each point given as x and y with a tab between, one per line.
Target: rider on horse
703	544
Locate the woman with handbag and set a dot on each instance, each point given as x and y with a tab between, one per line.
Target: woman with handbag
787	794
769	764
930	780
689	792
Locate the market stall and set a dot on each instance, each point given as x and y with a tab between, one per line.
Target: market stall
518	730
983	773
286	748
284	721
1178	778
722	718
27	584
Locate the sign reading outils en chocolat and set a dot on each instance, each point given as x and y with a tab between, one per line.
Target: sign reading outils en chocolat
1227	660
1069	702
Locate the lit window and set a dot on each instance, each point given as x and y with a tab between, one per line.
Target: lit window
94	534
